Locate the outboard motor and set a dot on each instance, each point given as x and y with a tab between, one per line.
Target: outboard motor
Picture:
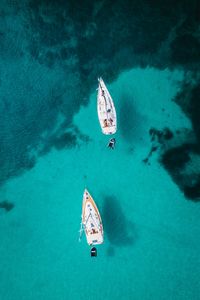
93	252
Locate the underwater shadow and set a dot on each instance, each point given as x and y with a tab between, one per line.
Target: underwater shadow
120	232
129	120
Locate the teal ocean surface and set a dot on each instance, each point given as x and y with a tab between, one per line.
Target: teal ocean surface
147	189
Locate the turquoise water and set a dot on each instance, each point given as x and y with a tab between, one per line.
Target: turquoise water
52	148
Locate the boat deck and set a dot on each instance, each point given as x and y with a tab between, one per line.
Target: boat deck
106	110
92	221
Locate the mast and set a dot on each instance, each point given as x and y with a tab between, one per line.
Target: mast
80	231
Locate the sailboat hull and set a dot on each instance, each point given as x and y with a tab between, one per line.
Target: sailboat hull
91	220
106	110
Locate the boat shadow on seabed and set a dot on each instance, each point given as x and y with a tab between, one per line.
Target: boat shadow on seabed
120	232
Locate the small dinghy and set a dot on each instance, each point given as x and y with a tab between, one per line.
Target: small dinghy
106	109
91	222
112	143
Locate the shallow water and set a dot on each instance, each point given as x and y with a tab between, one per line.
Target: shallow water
52	148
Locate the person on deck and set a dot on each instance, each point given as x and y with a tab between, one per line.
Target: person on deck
105	123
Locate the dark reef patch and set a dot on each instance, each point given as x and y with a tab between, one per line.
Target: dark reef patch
139	28
67	139
176	158
175	161
6	205
120	232
158	139
189	100
194	111
185	49
160	136
193	192
179	158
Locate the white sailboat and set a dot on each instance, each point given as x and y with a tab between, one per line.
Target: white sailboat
106	109
91	222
